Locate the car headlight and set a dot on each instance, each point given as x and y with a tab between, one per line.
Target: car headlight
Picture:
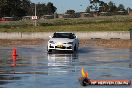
70	43
52	42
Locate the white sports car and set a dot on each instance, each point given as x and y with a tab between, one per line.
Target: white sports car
63	41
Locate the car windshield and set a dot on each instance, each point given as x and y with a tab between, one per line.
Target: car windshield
63	35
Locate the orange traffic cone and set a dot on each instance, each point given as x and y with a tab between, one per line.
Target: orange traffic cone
14	56
14	53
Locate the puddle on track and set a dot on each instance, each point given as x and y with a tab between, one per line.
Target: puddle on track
37	69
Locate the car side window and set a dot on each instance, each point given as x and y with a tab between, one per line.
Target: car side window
72	36
54	35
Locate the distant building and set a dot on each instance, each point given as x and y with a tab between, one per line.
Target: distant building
66	15
105	14
8	19
83	15
48	17
60	16
69	15
130	13
122	13
27	18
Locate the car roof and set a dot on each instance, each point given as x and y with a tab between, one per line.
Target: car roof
64	32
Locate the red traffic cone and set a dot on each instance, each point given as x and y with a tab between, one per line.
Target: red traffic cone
14	52
14	56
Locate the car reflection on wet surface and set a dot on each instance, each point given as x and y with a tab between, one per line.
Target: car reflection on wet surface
62	63
37	69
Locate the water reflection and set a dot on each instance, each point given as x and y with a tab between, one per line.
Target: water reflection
130	56
62	63
5	79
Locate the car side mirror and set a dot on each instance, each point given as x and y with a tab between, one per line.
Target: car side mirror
50	37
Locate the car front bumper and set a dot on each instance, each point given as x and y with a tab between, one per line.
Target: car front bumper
60	47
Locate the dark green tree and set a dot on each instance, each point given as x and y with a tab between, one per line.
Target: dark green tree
98	6
103	7
94	1
94	5
129	9
16	8
112	7
121	7
51	8
88	9
41	9
70	11
19	8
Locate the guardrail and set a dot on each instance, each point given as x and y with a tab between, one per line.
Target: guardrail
81	35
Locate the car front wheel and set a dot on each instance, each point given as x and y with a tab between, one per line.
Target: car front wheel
75	49
50	50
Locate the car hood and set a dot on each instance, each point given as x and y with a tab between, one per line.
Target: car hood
62	40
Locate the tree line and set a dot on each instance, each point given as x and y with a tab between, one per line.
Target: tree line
101	6
98	6
19	8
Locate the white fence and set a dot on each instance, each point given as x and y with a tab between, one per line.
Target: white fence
81	35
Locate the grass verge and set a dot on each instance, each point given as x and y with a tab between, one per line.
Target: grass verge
112	23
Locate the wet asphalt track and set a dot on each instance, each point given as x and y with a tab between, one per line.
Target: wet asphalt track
37	69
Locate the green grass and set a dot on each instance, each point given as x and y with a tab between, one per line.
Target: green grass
111	23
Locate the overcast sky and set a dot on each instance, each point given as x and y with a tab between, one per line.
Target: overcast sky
79	5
